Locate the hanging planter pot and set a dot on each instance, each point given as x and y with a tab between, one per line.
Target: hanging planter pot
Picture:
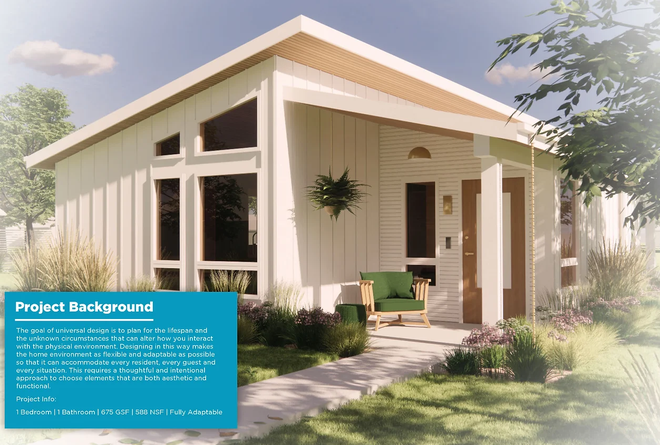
335	195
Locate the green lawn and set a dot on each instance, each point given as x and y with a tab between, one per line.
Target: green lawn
257	362
589	406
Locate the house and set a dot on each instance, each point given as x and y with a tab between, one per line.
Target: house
210	171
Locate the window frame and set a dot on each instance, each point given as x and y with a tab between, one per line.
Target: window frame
202	265
178	155
199	139
412	261
573	261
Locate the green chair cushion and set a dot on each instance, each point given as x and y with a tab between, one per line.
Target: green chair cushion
398	304
390	284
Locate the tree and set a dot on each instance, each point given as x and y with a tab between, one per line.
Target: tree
30	120
608	49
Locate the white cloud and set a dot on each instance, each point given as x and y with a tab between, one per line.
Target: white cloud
513	74
50	58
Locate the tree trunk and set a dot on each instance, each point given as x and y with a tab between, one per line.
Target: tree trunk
29	232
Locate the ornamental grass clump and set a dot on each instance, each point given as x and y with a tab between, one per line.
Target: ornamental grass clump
68	263
577	348
229	281
525	359
347	339
311	327
246	331
644	392
462	361
617	271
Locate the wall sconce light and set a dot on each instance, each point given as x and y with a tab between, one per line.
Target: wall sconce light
446	205
419	153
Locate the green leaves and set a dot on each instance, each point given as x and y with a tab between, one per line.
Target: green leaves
337	194
615	148
30	119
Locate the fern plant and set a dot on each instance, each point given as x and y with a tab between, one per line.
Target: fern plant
336	195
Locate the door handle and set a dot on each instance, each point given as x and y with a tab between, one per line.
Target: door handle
469	253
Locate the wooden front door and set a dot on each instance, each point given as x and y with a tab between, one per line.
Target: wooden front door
513	190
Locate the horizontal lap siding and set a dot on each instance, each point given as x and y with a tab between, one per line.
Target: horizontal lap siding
452	161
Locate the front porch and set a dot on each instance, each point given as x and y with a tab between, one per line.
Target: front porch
373	139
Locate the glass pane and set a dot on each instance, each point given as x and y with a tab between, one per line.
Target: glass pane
568	276
168	279
568	227
229	215
420	219
170	146
205	278
422	271
169	217
237	128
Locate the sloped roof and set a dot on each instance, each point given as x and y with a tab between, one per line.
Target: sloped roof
310	43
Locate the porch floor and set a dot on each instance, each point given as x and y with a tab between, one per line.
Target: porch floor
399	353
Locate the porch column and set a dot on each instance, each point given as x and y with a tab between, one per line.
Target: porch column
492	282
650	245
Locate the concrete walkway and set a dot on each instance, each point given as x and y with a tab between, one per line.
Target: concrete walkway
399	353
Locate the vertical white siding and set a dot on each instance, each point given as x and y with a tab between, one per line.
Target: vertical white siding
105	191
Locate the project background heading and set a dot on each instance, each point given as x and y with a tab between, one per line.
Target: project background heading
75	306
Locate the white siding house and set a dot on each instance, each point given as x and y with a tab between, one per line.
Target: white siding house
325	101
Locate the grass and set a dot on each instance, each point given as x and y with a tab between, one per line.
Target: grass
258	362
589	406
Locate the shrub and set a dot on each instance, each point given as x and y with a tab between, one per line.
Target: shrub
525	359
515	324
278	327
246	331
311	327
488	336
462	361
347	339
228	281
578	347
68	263
569	319
493	357
284	295
617	271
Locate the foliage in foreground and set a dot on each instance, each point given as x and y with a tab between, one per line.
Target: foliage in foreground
644	392
525	359
69	263
610	48
347	339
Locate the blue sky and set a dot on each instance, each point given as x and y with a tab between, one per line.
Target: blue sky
153	42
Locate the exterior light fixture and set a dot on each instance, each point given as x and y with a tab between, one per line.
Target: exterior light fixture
419	153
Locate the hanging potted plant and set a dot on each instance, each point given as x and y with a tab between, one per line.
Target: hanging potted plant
336	195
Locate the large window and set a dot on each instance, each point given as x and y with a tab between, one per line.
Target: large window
420	220
237	128
229	218
168	220
568	212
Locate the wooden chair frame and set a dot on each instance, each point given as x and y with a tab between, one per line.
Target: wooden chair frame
421	288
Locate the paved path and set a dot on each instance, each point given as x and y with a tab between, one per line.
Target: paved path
398	353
